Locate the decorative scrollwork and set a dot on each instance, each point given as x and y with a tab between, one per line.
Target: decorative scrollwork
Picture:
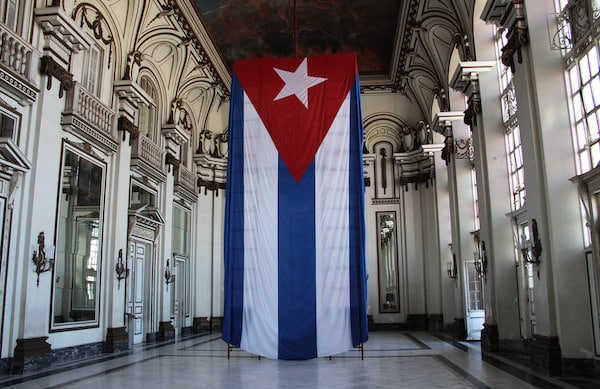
562	39
95	25
133	58
448	149
463	148
516	41
509	103
579	18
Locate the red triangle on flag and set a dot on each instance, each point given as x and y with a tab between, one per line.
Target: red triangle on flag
279	88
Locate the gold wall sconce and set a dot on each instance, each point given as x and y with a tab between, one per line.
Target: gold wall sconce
169	278
481	261
43	256
121	268
451	267
531	250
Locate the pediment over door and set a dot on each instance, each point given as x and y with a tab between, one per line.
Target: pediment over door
145	222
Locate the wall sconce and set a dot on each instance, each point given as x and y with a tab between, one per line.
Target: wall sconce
532	249
121	268
43	257
481	262
451	265
169	278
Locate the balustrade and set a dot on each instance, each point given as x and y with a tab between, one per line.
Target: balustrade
15	53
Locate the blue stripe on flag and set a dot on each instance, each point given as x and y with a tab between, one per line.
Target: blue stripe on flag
234	222
297	253
358	281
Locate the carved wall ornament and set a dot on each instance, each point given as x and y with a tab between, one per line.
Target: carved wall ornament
473	109
125	125
170	159
133	58
49	67
461	41
516	36
95	25
179	115
463	148
214	145
413	137
448	149
440	94
517	40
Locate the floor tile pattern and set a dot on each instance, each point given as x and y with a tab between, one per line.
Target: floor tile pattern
389	360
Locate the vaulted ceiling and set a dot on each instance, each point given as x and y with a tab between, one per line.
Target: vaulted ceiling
401	45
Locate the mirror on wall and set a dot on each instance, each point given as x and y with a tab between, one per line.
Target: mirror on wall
79	240
388	263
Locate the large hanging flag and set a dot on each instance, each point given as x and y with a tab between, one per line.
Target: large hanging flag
295	280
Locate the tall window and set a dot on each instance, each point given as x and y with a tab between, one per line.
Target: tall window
10	14
147	122
181	250
584	94
90	78
582	59
512	131
583	78
181	230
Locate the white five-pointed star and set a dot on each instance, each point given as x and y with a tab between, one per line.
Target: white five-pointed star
297	83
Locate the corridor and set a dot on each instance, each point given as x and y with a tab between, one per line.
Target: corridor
391	360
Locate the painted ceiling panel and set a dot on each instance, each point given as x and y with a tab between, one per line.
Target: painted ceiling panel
265	28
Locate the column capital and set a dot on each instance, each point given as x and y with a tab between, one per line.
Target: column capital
62	36
467	73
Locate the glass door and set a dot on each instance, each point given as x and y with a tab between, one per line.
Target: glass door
474	301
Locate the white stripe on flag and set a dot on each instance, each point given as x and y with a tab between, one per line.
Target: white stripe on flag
260	319
334	334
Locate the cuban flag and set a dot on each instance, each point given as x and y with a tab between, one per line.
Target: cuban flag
295	280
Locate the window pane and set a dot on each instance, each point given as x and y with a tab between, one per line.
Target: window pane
592	124
11	14
584	70
586	95
180	230
595	151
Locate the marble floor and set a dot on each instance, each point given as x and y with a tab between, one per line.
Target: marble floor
390	360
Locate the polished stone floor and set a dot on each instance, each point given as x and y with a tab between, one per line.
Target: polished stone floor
390	360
